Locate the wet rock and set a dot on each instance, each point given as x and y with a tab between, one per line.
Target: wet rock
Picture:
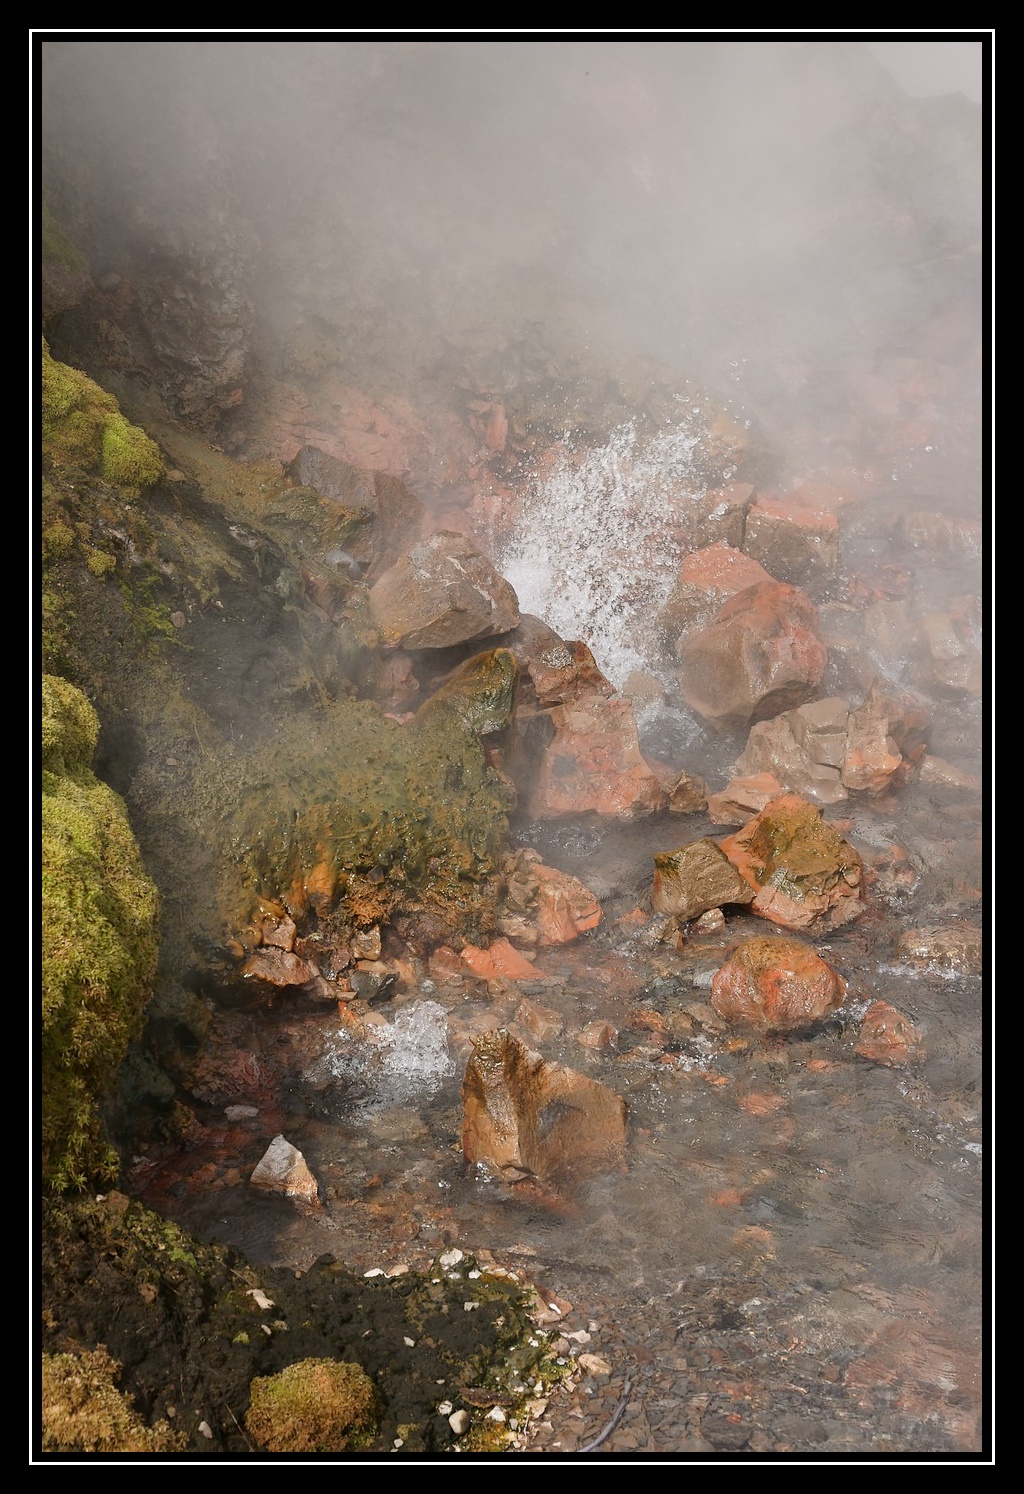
888	1037
396	513
442	593
501	959
802	871
721	515
283	1169
694	879
777	985
525	1117
594	764
761	654
742	797
795	538
951	643
889	727
952	947
279	967
803	750
561	907
566	671
688	794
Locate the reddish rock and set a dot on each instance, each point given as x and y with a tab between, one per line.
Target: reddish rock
707	578
594	764
760	655
801	869
278	931
442	593
596	1035
500	960
526	1118
687	794
565	908
954	947
565	672
888	1037
887	729
777	985
541	1022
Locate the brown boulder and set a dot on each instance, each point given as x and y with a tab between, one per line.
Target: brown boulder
795	538
776	985
888	1037
524	1117
700	876
442	593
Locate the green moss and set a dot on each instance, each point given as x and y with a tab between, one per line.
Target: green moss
128	456
83	427
315	1405
99	941
84	1411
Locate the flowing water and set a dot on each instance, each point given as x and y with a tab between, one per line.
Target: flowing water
794	1257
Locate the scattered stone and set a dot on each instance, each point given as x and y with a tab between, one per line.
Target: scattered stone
888	1037
283	1169
442	593
695	878
952	947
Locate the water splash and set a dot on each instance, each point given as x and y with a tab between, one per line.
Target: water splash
596	544
405	1061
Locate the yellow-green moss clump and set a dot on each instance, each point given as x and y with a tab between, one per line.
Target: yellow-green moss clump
83	427
99	942
315	1405
83	1410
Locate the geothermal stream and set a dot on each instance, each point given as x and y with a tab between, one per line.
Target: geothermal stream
792	1258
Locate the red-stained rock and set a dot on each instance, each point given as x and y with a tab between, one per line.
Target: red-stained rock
776	985
721	515
803	749
524	1117
565	908
742	797
500	959
760	655
888	1037
887	729
283	1169
707	578
801	869
565	672
594	764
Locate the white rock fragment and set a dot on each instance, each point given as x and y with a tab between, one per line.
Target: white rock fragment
444	1408
204	1427
260	1298
376	1271
410	1343
459	1422
450	1258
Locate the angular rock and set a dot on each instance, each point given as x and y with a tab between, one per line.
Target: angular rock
524	1117
721	515
795	539
278	966
776	985
594	764
695	878
500	959
565	672
707	578
442	593
803	749
397	513
802	871
687	794
743	797
283	1169
761	654
889	727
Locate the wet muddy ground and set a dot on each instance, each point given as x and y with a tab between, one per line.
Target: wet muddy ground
793	1261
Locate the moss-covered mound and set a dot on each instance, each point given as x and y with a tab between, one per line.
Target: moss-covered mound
315	1405
99	944
83	1410
83	427
195	1337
